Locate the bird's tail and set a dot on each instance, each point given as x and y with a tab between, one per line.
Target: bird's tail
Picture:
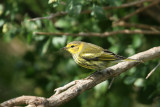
135	60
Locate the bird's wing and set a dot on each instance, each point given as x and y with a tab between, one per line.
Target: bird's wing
101	55
108	55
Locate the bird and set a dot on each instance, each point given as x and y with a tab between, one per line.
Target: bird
94	57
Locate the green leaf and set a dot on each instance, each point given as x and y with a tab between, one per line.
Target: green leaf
45	46
74	7
132	71
137	40
52	1
29	38
101	88
114	49
111	40
129	80
62	23
130	51
139	82
7	37
1	23
98	12
75	10
59	42
55	4
1	9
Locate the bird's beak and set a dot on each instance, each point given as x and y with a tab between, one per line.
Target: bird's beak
64	48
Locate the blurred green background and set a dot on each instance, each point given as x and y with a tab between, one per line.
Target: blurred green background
34	64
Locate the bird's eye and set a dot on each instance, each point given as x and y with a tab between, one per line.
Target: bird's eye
72	46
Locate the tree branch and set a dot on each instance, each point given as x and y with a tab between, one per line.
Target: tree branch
147	32
155	2
82	85
28	100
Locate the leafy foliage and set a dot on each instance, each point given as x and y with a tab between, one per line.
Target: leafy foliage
35	64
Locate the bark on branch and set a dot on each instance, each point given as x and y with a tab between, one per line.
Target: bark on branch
77	87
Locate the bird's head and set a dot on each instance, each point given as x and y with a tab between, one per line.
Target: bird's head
73	47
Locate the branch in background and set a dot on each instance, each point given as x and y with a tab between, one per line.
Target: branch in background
138	2
51	16
153	13
141	26
150	73
82	85
121	6
155	2
148	32
110	84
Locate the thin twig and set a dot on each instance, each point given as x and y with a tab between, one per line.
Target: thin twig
137	25
138	2
154	14
148	32
51	16
150	73
155	2
111	82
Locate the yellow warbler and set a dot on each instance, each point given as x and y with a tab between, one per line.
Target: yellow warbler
91	56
